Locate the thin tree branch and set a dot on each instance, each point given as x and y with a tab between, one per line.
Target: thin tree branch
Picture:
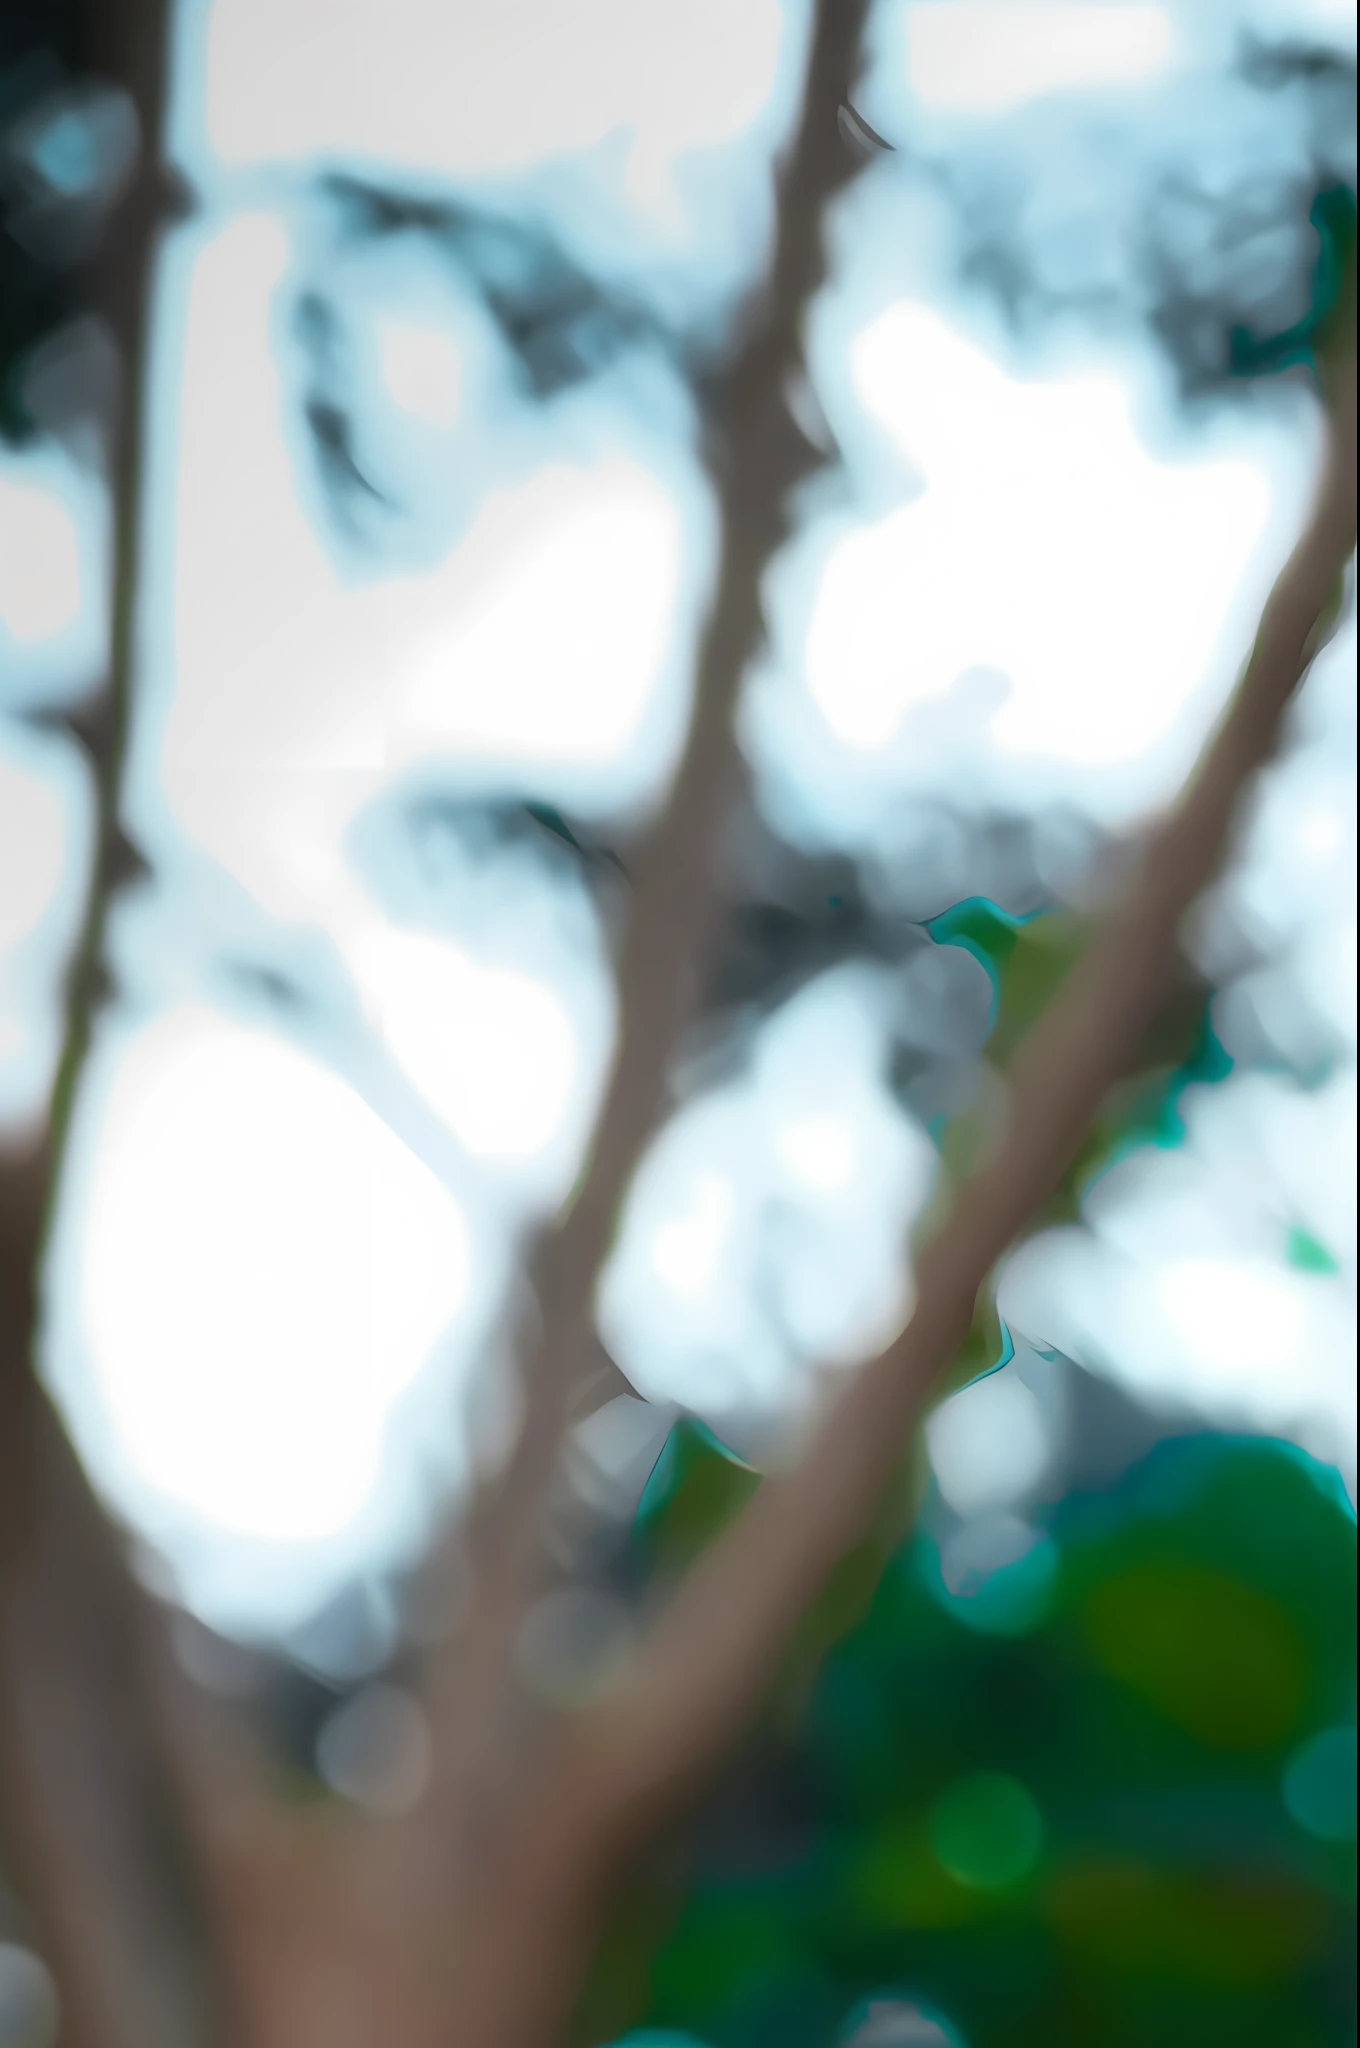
628	1767
757	453
100	1856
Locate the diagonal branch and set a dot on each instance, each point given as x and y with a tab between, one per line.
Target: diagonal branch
627	1768
758	454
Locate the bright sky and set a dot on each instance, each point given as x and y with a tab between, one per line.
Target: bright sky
763	1236
267	1272
295	79
274	1288
983	56
619	117
548	645
53	527
1041	527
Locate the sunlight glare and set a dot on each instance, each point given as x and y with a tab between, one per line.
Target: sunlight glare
492	1052
819	1151
266	1268
1016	556
686	1250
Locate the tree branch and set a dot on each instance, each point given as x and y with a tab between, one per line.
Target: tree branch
627	1768
94	1823
757	453
90	1815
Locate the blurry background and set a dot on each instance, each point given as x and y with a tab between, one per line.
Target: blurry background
426	540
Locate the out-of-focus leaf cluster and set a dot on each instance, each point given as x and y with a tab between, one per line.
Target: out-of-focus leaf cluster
1127	1819
1029	959
69	143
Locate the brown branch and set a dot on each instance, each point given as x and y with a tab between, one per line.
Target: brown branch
93	1812
88	1815
628	1767
758	454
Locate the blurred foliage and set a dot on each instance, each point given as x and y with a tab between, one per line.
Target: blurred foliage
696	1487
1112	1802
1333	219
1028	960
41	45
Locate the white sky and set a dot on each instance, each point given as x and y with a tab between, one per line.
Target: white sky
1040	527
295	79
53	583
641	128
985	55
548	646
247	1296
763	1236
